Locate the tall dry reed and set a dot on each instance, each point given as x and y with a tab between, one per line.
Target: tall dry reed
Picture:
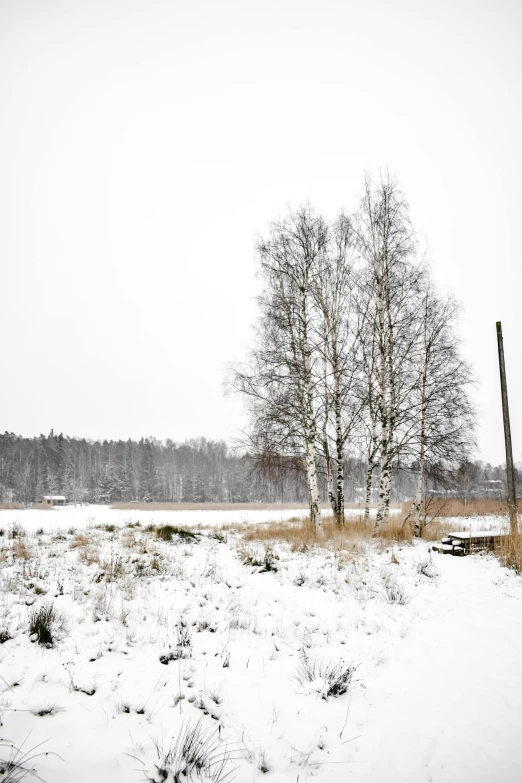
300	534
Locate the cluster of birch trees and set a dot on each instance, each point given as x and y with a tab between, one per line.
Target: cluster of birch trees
355	352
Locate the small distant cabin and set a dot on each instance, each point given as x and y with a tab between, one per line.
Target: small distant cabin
53	500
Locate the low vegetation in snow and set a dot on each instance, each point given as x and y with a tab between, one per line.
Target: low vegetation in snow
198	654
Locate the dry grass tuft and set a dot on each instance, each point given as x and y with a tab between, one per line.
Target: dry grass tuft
128	540
21	550
436	530
79	541
300	535
509	552
458	507
89	554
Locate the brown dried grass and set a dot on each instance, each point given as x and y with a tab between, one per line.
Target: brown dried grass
509	552
89	554
457	507
300	535
16	506
128	540
222	506
42	507
79	541
21	550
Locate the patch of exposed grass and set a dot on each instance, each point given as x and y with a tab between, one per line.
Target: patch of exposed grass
44	623
195	753
21	550
167	532
4	636
334	678
300	534
79	541
509	552
459	507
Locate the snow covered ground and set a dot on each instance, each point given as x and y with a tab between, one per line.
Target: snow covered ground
152	636
89	515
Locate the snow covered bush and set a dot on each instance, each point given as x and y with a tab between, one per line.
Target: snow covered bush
328	679
44	624
195	754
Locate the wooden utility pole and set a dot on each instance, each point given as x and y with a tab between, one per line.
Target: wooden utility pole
512	497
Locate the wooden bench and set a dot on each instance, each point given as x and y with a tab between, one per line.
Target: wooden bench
466	543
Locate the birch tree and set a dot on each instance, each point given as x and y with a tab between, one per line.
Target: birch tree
366	392
446	417
391	280
333	295
280	379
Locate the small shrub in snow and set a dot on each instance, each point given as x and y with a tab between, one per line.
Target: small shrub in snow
426	567
194	753
166	533
45	711
16	530
79	541
89	555
396	594
44	624
16	765
264	765
21	550
331	678
300	579
183	647
184	636
215	695
4	636
267	562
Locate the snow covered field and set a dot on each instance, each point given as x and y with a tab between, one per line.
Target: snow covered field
374	663
89	515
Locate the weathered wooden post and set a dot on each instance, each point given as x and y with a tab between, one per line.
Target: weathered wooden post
512	497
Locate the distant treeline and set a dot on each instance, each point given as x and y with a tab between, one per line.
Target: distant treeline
195	471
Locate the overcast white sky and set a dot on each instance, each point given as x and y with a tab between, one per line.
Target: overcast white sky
144	144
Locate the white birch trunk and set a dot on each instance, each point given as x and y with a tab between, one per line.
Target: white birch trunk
368	497
418	497
311	439
369	473
339	458
329	477
383	509
315	507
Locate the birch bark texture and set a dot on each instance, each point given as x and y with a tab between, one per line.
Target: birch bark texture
280	378
336	346
390	281
441	402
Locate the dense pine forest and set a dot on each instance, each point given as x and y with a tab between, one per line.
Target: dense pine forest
195	471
